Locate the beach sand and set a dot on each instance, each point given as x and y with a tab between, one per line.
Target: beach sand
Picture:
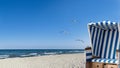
50	61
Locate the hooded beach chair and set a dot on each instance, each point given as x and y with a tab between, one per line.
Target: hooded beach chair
105	46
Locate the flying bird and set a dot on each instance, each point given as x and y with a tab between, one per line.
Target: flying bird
79	40
64	32
75	21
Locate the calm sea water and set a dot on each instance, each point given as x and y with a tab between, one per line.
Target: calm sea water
11	53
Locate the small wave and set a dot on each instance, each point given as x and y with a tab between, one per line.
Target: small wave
76	51
33	54
28	55
4	56
60	52
24	55
50	53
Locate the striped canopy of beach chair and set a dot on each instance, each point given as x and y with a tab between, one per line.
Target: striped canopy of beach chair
104	39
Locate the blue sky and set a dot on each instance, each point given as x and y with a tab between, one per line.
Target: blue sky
52	23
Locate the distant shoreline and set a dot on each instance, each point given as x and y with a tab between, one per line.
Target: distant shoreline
40	55
13	53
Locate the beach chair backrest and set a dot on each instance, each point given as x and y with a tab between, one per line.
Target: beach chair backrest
104	39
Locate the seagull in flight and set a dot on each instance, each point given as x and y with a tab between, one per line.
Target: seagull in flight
79	40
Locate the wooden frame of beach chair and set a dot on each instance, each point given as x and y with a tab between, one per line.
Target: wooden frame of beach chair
105	47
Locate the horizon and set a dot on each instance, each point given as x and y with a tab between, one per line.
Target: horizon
52	24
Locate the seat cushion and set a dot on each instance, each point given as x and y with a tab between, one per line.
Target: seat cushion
88	55
113	61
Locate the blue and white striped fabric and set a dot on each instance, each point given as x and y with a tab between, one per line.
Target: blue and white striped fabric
113	61
88	55
104	39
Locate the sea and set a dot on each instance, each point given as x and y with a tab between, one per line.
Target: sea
21	53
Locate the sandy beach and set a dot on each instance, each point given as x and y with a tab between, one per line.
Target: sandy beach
50	61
